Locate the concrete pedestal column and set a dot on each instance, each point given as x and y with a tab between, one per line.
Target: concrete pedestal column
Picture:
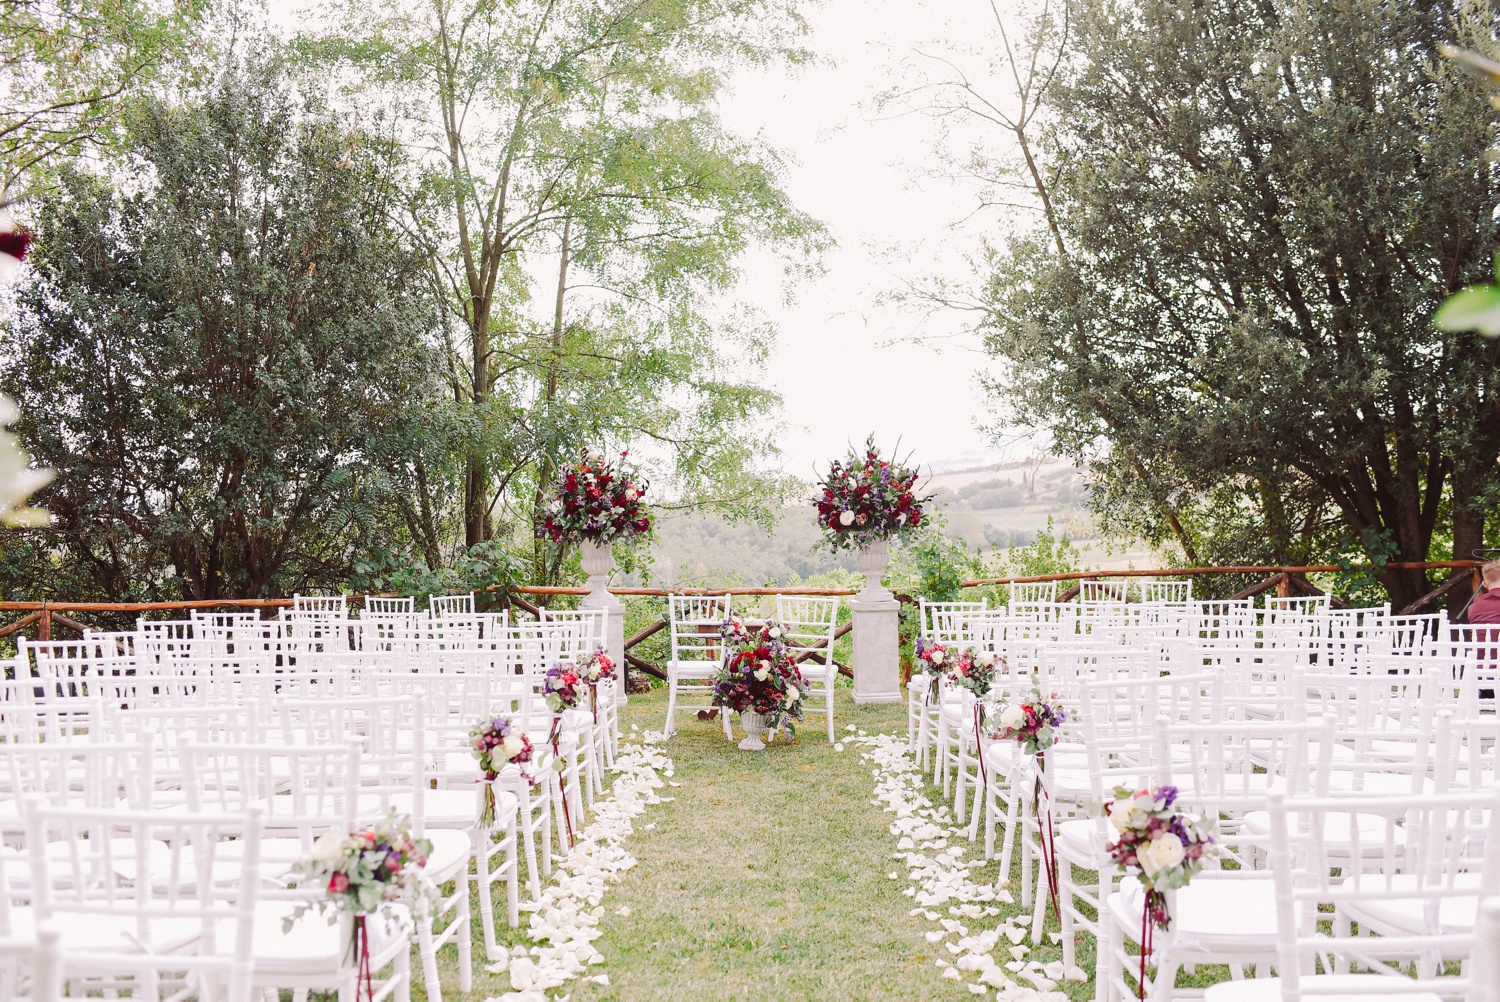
598	561
877	632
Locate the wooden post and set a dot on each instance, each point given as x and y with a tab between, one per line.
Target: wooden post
1284	586
44	625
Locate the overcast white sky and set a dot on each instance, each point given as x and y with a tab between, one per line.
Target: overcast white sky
862	173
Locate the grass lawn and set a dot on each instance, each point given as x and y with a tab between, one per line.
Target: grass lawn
765	877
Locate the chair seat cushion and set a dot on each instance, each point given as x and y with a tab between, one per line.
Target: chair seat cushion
315	945
1407	916
1215	915
1328	988
99	932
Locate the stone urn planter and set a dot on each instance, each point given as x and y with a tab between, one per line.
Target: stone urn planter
598	561
756	725
872	559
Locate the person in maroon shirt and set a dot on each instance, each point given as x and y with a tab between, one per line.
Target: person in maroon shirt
1486	605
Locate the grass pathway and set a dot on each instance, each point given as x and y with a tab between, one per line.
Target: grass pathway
764	877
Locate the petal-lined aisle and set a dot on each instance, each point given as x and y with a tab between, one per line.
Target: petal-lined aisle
767	876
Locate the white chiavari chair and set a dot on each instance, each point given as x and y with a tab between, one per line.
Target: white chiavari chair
810	624
1429	877
154	905
694	622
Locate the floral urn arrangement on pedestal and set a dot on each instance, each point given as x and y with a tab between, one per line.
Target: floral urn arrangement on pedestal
759	680
595	503
863	503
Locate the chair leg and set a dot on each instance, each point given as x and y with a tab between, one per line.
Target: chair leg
828	702
671	707
481	839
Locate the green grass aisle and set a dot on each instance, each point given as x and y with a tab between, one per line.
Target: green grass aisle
766	877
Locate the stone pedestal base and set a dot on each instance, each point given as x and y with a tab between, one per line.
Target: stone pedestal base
597	563
877	650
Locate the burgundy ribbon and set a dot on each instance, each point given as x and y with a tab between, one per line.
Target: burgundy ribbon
594	699
364	974
1148	936
979	749
1048	837
562	780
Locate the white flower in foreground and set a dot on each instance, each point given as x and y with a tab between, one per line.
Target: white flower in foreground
1012	717
328	848
17	479
761	674
846	518
1122	814
1161	853
937	656
792	695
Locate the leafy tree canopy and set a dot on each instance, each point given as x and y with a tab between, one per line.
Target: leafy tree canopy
223	353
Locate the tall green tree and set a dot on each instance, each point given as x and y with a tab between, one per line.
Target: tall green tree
66	67
583	212
226	352
1253	210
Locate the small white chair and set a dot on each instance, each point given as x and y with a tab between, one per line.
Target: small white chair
333	606
451	605
384	605
697	649
810	624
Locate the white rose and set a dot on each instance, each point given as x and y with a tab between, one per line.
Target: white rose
937	656
1122	814
328	848
985	658
775	633
1012	717
792	695
512	744
846	518
762	674
595	457
1161	853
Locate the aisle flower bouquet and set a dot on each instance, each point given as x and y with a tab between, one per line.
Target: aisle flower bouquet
758	675
1033	724
563	687
496	743
596	500
866	498
361	873
596	667
974	670
932	659
1162	847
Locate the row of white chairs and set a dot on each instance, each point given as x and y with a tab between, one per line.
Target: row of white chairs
1353	789
314	744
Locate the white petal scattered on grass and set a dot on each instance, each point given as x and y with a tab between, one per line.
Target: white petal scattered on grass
564	923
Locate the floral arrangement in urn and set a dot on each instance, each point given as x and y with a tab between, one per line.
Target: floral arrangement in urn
597	501
865	499
758	676
361	873
1160	846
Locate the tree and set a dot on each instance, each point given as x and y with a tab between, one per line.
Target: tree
1254	210
576	139
226	353
67	65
